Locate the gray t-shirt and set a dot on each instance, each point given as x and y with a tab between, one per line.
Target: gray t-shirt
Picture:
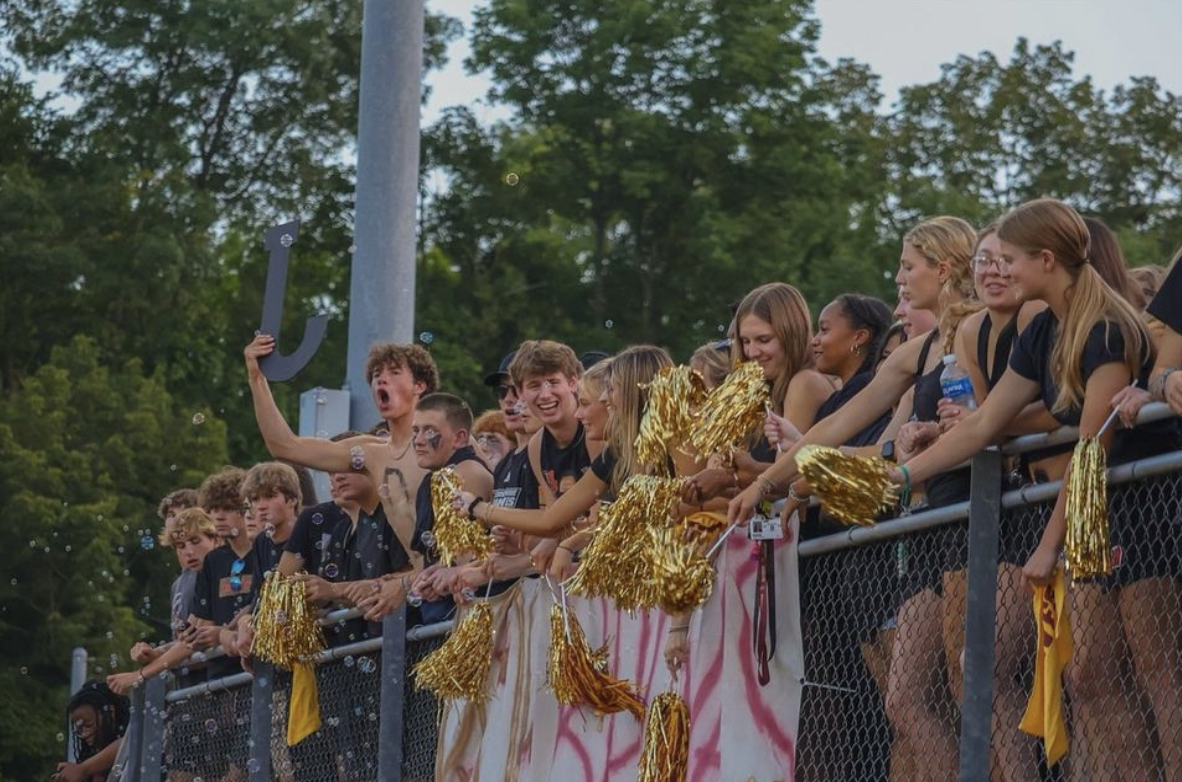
181	597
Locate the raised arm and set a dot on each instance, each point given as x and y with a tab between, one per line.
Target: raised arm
894	378
281	441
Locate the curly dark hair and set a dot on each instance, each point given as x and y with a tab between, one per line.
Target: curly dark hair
222	490
393	355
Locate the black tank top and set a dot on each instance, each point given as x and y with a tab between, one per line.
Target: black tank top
945	488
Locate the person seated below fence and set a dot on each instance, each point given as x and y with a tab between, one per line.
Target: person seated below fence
98	719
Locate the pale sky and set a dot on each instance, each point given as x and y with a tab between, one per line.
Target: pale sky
906	41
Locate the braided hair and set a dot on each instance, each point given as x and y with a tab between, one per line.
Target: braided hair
112	711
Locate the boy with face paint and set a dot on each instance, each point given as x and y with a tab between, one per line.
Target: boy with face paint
398	375
440	431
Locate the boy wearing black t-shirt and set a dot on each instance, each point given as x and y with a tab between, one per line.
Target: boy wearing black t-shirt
440	439
272	490
546	374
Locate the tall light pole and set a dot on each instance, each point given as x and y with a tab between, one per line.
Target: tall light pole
382	282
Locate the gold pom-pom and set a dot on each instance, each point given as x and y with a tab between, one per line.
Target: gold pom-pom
705	522
460	668
665	756
673	397
732	412
454	533
285	626
577	675
854	489
1087	545
618	563
683	576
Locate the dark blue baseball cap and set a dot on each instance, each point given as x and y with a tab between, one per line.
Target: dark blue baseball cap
494	379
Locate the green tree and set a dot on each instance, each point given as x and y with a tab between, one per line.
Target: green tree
988	135
667	157
82	469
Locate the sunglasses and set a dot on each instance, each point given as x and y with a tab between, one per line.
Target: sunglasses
503	390
236	575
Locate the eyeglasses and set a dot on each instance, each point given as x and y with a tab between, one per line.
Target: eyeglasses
982	262
487	439
236	575
504	390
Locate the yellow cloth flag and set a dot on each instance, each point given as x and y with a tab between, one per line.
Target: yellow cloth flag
303	710
1044	712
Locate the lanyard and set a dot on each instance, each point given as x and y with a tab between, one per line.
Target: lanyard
764	627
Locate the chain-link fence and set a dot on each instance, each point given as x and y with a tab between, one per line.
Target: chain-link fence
235	728
919	641
885	613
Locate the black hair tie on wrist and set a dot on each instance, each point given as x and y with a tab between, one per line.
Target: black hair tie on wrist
472	509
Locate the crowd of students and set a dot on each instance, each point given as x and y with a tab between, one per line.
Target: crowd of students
1037	306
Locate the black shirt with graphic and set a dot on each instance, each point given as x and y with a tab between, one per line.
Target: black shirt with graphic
226	584
313	533
514	486
366	551
514	482
563	466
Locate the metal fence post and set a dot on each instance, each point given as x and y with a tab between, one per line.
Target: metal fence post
980	617
135	736
393	684
152	741
77	678
261	692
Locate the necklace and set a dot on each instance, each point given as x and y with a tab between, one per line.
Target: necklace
405	448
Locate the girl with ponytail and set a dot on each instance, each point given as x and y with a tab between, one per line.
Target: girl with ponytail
1075	356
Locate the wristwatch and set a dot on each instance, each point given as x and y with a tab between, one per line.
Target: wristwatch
888	451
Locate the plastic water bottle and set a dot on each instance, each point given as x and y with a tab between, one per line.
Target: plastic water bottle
956	384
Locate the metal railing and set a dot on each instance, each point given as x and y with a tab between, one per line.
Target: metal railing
907	628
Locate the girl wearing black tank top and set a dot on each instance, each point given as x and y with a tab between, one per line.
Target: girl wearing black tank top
983	344
1075	357
934	272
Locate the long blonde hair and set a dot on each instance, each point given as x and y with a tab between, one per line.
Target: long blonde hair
953	240
784	309
1047	224
631	369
